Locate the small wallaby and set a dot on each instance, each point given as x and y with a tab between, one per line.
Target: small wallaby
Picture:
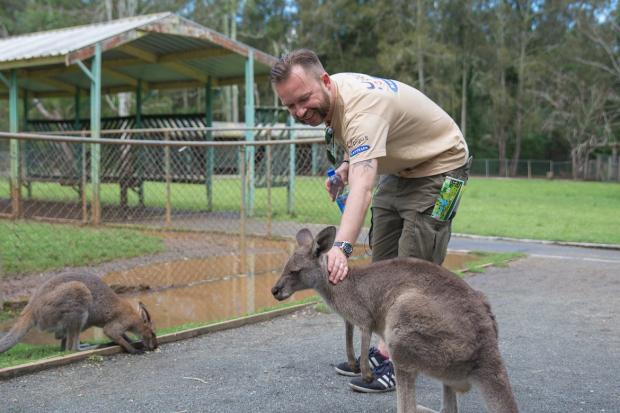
70	303
432	322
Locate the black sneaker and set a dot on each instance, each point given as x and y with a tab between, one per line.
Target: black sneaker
375	359
383	380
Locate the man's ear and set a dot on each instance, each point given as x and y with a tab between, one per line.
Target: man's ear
324	241
326	80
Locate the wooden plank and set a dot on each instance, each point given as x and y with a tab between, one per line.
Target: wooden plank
15	371
141	54
195	54
133	82
107	44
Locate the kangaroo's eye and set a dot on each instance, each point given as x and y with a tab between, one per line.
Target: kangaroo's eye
295	273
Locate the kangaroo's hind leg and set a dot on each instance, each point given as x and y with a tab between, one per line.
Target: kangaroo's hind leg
405	393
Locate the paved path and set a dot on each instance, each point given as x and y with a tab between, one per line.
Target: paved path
559	320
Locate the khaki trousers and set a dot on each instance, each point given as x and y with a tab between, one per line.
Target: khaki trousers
401	224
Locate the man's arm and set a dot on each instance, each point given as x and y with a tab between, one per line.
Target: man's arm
361	177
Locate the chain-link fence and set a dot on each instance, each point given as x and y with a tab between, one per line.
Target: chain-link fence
196	228
199	231
601	168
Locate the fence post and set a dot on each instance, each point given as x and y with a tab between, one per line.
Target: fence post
210	150
529	169
486	168
550	168
269	172
314	161
242	207
291	168
506	167
95	128
84	182
250	279
14	157
250	123
168	181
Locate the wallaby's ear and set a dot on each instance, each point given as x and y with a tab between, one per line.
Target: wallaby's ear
324	240
304	237
146	317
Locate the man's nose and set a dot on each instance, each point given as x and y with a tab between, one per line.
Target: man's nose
300	112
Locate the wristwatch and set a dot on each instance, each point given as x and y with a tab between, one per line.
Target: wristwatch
345	246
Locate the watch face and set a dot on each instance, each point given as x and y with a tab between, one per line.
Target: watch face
347	248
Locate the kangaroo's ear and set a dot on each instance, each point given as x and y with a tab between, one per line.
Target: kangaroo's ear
324	240
304	237
146	317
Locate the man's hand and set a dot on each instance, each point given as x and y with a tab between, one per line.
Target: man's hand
337	265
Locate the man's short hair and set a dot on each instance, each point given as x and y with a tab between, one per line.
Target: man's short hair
305	58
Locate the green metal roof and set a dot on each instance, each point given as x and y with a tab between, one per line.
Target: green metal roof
163	50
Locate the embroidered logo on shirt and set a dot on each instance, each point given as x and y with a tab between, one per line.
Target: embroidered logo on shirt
359	150
357	141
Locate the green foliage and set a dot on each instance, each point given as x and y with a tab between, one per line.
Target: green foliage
524	79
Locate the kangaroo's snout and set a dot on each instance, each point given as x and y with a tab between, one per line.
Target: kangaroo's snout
276	291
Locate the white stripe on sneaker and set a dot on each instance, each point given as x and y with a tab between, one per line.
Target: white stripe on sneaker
380	380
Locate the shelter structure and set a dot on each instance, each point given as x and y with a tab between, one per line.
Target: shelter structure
137	54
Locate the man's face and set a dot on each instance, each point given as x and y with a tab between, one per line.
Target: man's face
305	96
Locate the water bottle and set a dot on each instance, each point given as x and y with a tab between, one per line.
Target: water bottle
337	189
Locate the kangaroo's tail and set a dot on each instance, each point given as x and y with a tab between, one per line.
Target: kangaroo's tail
24	323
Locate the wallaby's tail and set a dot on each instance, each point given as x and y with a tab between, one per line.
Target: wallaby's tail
19	330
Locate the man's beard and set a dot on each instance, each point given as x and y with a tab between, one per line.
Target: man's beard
322	110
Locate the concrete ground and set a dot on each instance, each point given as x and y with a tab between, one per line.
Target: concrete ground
559	321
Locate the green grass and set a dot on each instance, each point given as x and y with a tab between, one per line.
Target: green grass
541	209
487	259
27	247
519	208
26	353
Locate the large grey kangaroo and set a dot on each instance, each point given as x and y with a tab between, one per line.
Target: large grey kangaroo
432	321
70	303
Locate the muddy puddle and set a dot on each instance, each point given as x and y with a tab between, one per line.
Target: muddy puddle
209	289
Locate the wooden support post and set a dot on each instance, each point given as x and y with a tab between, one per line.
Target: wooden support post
291	168
209	167
94	74
16	200
269	178
168	178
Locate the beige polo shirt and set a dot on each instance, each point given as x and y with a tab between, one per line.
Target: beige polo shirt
396	124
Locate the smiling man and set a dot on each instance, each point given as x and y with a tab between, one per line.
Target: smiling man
385	127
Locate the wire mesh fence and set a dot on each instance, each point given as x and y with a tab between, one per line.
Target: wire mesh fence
197	229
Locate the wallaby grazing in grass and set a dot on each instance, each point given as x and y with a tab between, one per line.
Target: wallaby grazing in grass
432	321
70	303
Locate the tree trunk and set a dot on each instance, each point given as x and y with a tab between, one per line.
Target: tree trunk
419	51
464	98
